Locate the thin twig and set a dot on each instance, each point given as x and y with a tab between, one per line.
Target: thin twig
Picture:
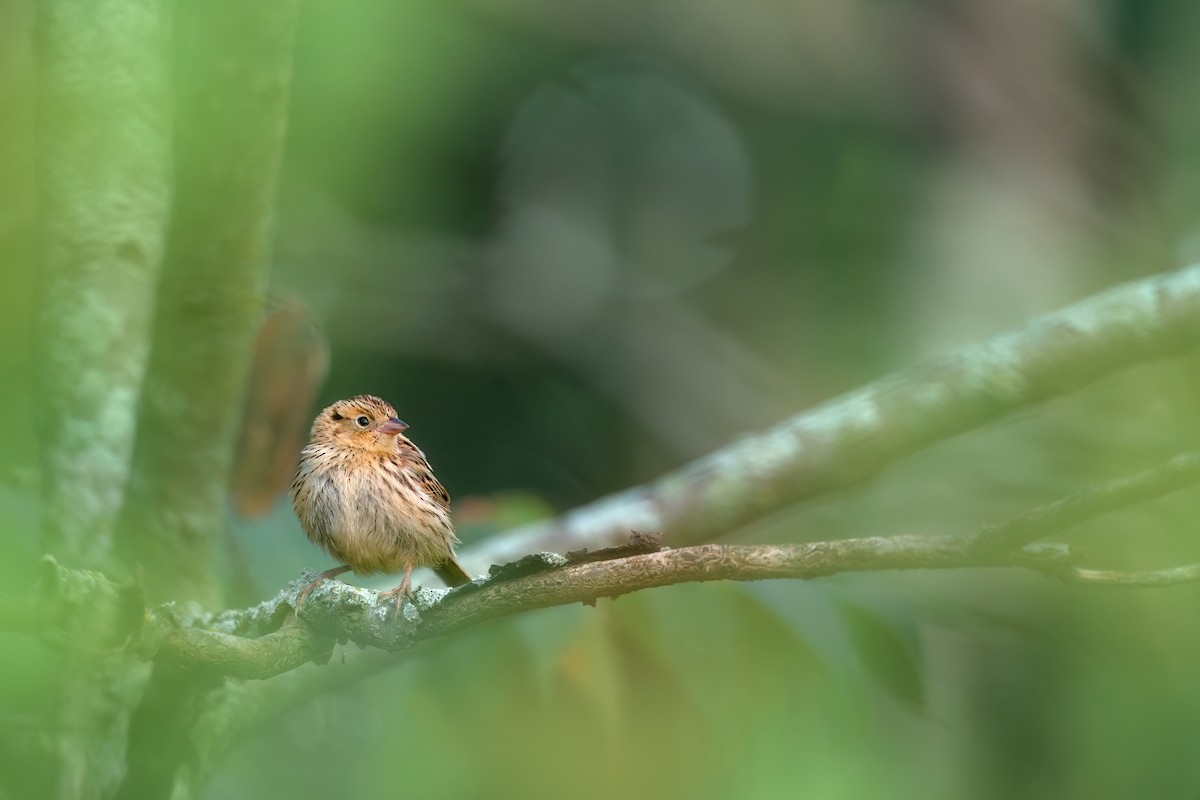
1053	518
1111	579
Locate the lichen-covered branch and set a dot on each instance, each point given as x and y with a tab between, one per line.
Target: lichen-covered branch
855	436
104	192
352	614
266	640
236	68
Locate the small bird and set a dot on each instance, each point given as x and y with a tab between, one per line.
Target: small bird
366	494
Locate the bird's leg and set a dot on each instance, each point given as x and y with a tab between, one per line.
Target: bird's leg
403	590
324	576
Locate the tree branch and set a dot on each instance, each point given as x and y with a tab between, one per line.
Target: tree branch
255	642
853	437
236	68
266	640
104	188
245	706
346	613
1180	471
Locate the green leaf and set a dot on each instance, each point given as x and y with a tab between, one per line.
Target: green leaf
886	653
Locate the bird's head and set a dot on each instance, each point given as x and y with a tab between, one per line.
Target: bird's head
365	422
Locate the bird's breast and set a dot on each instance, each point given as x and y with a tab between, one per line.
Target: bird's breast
371	520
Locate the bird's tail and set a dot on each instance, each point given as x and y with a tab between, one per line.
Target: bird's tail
452	573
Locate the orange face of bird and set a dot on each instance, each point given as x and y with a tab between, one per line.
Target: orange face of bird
364	423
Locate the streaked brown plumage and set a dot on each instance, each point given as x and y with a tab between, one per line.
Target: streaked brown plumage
366	494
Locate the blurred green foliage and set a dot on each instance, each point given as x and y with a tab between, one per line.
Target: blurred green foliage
579	245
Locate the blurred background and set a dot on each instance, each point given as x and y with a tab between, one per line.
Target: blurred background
577	245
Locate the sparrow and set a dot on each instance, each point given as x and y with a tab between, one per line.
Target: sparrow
367	495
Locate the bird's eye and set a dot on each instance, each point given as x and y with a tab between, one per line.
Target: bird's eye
363	422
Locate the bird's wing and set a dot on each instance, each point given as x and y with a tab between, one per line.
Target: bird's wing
432	486
420	470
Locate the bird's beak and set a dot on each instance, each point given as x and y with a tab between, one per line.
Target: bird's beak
393	427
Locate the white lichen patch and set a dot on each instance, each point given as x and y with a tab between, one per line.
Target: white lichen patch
344	594
992	369
779	450
1132	306
428	596
714	483
931	396
411	613
380	614
553	559
854	412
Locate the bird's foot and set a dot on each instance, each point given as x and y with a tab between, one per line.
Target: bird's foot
402	592
328	574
